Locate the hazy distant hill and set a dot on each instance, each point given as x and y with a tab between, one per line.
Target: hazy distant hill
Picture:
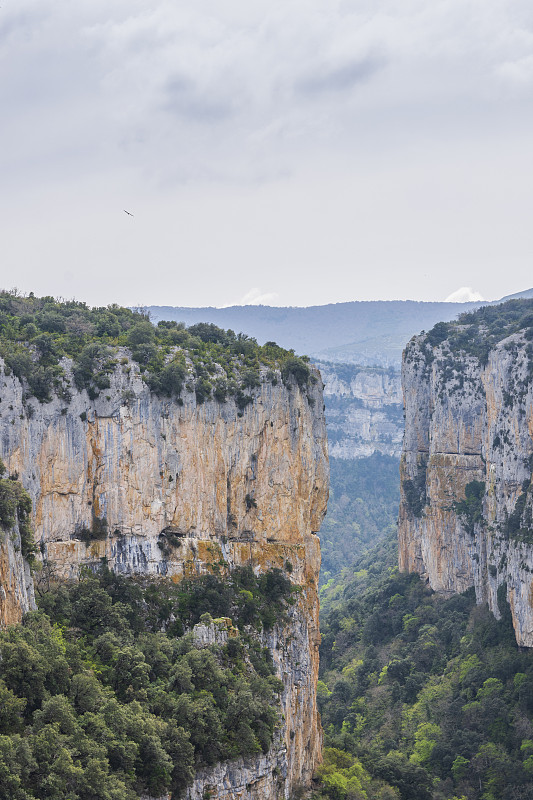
360	332
528	294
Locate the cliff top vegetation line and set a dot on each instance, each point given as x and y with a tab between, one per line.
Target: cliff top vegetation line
477	332
36	333
367	332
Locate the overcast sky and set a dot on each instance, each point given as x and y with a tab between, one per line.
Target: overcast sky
295	153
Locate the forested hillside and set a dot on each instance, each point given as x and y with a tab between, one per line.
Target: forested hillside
362	509
359	332
422	698
105	695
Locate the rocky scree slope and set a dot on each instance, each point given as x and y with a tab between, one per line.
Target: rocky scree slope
466	513
171	453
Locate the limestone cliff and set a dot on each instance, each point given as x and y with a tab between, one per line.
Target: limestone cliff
16	585
466	508
171	487
363	410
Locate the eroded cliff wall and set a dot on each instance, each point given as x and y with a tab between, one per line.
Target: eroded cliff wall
172	488
16	584
466	469
364	410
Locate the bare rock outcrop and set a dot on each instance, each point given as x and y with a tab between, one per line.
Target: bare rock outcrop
16	585
466	469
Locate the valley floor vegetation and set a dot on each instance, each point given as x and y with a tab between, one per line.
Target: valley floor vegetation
104	695
422	698
362	509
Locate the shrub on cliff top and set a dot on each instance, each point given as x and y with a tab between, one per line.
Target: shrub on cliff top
297	369
36	332
477	332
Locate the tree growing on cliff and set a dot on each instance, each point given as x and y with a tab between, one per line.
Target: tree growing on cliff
15	512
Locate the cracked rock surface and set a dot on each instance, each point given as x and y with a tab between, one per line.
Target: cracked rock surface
469	428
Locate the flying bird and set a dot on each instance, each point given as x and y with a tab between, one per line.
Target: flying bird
128	212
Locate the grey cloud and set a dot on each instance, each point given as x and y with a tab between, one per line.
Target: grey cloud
342	78
184	98
19	24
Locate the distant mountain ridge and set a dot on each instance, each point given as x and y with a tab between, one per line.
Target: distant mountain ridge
372	332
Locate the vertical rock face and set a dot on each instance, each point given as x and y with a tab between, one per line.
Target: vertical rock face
466	469
363	409
16	585
171	488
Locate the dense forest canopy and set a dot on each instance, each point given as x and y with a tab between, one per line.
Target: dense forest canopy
422	698
36	333
106	695
362	509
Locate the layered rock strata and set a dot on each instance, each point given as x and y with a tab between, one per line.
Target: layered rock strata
466	470
171	488
364	410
